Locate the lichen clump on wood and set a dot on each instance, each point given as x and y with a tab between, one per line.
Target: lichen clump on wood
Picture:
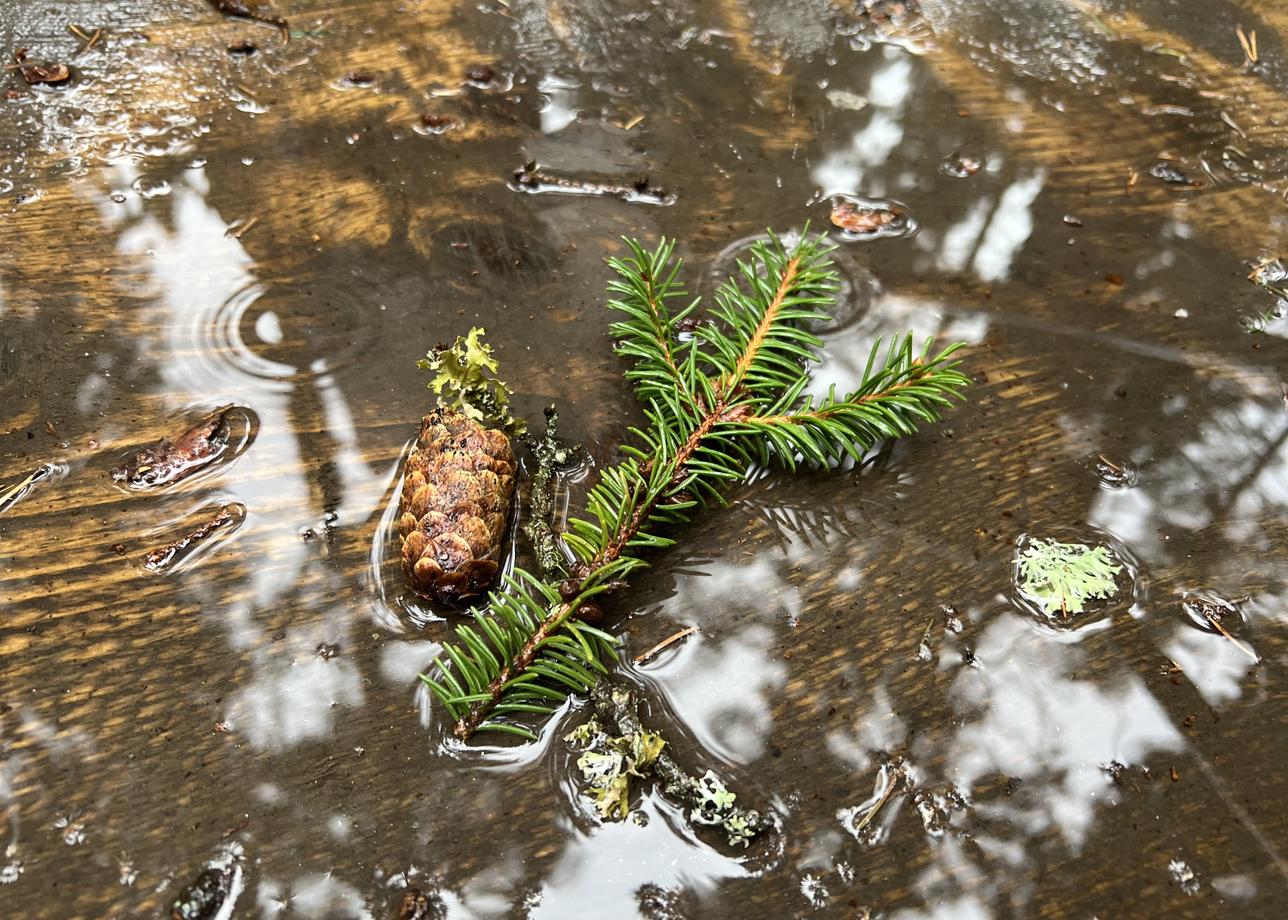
608	762
617	746
465	379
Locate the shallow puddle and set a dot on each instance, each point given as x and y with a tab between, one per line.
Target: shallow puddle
206	215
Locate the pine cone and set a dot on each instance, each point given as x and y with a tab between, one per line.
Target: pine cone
455	502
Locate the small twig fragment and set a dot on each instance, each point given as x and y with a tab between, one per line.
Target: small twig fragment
240	227
664	644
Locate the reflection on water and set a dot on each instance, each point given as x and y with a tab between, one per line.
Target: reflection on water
187	228
591	877
1025	717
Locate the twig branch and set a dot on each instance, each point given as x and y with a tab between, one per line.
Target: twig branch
665	644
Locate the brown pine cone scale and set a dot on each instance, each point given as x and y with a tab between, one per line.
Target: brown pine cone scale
456	495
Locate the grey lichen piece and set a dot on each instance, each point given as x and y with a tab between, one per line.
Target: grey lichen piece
709	801
551	455
1062	577
608	763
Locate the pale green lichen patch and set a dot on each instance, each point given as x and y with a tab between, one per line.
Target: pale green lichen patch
1062	577
715	808
465	379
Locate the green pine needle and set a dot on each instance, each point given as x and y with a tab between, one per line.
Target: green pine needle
716	403
1062	577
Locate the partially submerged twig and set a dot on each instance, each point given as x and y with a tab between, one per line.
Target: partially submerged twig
1213	613
729	396
664	644
164	557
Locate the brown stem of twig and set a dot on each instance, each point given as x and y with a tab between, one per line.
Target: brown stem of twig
665	643
1223	631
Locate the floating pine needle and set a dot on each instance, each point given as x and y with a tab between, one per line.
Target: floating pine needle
665	644
88	41
1248	40
237	9
1225	117
1091	13
1216	623
729	395
11	495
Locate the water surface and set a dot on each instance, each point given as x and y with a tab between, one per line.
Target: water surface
186	227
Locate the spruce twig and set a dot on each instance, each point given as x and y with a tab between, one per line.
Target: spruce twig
730	396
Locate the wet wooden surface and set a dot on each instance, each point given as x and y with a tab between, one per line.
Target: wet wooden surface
168	713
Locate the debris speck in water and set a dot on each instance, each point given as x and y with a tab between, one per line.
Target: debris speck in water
1171	175
10	872
41	73
1116	473
1183	876
480	75
936	808
434	123
356	79
844	99
961	165
213	894
865	219
814	891
533	179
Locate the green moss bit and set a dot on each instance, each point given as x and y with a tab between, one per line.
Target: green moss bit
609	762
1062	577
465	379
